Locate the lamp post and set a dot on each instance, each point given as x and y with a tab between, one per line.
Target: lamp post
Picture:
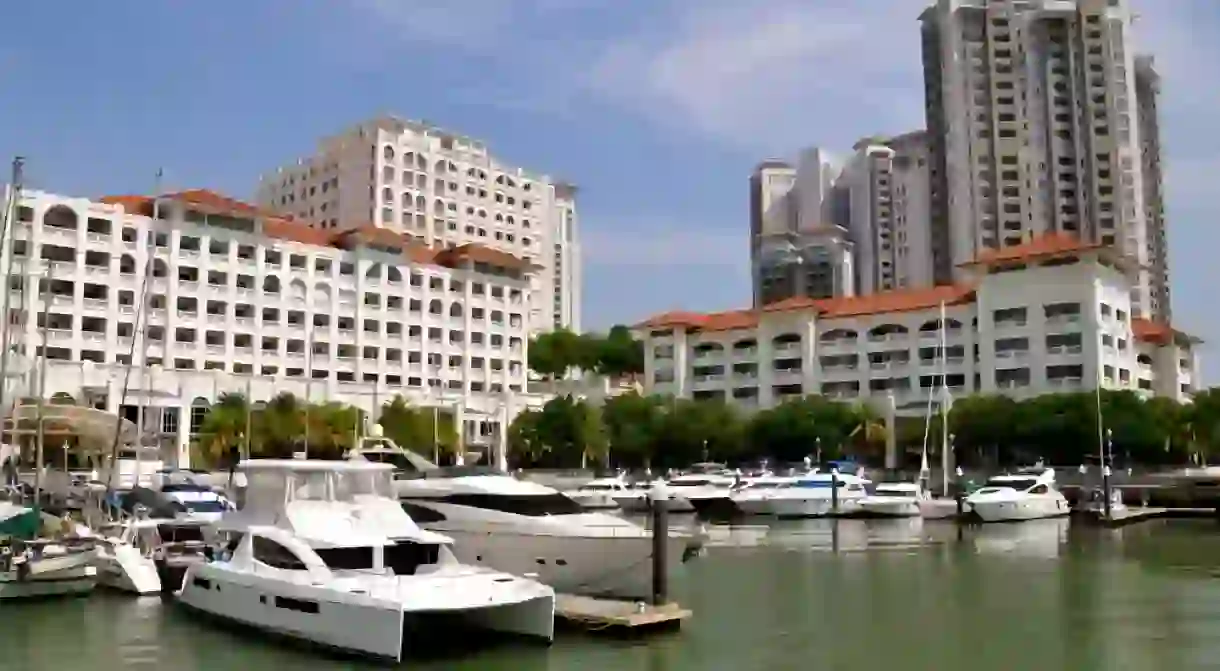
1105	472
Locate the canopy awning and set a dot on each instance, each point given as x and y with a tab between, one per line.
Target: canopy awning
92	426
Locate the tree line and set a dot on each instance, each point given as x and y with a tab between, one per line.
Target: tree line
633	431
283	425
616	354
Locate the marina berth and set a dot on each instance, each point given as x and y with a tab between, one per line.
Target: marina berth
323	552
525	528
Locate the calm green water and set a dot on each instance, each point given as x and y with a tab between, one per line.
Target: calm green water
789	596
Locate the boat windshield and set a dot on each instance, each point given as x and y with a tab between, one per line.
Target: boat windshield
204	505
530	505
367	483
180	533
690	483
1019	484
894	491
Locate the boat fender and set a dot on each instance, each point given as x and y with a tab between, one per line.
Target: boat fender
23	571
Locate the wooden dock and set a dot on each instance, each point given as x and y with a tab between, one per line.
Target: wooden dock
615	615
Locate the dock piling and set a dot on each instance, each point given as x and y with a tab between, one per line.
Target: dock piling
834	492
660	543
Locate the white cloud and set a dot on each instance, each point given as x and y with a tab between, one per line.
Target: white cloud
769	75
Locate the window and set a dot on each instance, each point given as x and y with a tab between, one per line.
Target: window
355	558
275	555
531	505
299	605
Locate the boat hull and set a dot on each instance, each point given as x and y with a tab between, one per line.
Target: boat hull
941	509
76	581
889	507
1018	510
366	626
812	507
609	565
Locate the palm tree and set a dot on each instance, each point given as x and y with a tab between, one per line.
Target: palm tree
223	428
869	429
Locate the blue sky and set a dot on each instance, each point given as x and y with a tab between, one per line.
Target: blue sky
658	109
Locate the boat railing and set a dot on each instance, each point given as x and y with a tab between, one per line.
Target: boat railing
584	529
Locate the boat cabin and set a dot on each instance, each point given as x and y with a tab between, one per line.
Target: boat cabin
903	489
339	515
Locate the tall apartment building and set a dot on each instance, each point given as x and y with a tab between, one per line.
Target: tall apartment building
798	243
446	190
1147	92
823	229
241	300
1034	120
886	186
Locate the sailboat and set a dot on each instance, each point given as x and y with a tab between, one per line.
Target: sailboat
943	507
31	563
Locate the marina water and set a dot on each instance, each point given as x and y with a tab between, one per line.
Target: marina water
846	596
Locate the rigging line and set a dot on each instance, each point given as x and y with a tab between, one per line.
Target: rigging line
141	308
10	206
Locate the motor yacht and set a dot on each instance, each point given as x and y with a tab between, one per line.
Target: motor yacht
810	496
599	494
193	496
323	552
1029	494
751	497
523	527
691	492
147	555
894	499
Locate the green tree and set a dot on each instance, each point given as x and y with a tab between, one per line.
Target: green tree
525	444
1203	418
796	428
695	430
632	422
620	354
565	433
222	429
419	429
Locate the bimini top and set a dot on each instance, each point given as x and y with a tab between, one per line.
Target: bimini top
313	466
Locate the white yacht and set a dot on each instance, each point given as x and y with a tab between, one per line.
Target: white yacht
751	497
323	552
693	492
199	500
525	528
150	555
894	499
600	494
810	496
1028	495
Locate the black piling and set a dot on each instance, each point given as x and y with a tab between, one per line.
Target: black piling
834	492
660	545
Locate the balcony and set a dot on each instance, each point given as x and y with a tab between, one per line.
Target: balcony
1063	319
787	348
1065	349
1065	382
1012	354
1011	323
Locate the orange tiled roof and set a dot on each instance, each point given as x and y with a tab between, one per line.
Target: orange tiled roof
894	301
287	228
829	308
1159	333
1042	246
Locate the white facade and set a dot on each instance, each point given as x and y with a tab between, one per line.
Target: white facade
444	189
1051	316
1033	114
243	300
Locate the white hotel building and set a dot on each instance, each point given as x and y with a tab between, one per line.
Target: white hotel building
1053	314
241	300
445	189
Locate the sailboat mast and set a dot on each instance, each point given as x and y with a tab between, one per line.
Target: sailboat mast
7	227
146	397
40	440
944	402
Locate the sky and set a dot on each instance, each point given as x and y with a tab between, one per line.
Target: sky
657	109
